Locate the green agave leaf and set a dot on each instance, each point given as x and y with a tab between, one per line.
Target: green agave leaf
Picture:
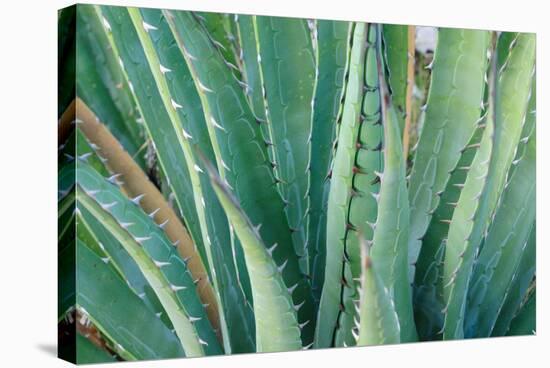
88	353
519	288
66	280
513	87
525	322
389	244
499	259
505	39
463	238
453	109
87	153
156	257
91	232
428	288
528	126
124	39
166	66
65	218
330	303
395	41
364	185
239	147
513	83
103	86
66	180
252	84
277	327
105	300
288	74
77	149
248	56
333	51
351	201
239	319
219	28
379	323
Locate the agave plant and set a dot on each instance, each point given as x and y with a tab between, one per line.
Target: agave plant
236	184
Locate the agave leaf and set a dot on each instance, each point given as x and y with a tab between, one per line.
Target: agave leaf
504	41
513	83
66	281
379	323
367	163
219	28
102	84
453	109
136	185
525	322
276	317
239	147
353	184
119	29
513	87
182	90
248	56
518	290
288	74
428	289
88	353
154	254
396	55
463	238
214	226
528	126
334	43
65	217
91	232
104	298
389	245
252	86
330	302
86	153
499	259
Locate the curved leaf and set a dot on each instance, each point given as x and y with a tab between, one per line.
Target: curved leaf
453	109
379	323
154	254
525	322
277	327
102	84
334	44
288	74
237	138
519	288
497	264
105	299
389	244
463	238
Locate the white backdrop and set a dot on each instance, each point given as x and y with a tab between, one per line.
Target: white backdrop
28	52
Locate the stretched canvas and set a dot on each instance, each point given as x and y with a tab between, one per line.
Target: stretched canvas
235	184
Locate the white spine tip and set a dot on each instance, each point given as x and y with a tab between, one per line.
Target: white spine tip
164	69
175	105
106	24
186	135
148	27
176	288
